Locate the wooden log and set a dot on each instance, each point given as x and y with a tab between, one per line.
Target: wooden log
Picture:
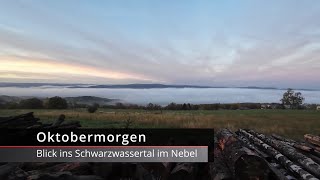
19	124
247	143
157	170
122	171
313	157
103	170
218	169
22	116
243	162
183	171
316	148
280	138
283	173
290	152
59	121
18	174
299	145
308	149
315	140
26	117
279	174
66	125
71	125
29	121
20	121
297	170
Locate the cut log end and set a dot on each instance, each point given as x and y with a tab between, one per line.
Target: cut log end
251	167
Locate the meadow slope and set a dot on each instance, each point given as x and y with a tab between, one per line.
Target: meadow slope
289	123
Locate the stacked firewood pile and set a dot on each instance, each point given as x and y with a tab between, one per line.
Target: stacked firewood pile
21	121
245	154
29	121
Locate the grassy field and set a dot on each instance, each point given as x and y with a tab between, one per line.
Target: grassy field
289	123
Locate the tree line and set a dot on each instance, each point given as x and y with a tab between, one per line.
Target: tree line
290	100
35	103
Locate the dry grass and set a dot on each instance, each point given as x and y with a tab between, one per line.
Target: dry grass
290	123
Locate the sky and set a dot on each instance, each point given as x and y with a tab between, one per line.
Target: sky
218	43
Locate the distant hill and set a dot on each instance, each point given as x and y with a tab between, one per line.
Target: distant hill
255	87
114	86
86	100
26	85
6	99
89	100
131	86
146	86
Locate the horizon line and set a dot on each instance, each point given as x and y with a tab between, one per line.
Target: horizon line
181	86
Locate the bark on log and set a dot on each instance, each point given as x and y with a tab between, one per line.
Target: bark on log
280	138
283	160
70	125
313	157
12	118
299	145
28	121
290	152
315	140
183	171
66	125
20	121
308	149
252	147
102	169
218	169
159	170
59	120
285	174
281	175
243	162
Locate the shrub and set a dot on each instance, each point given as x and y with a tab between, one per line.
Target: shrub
235	106
32	103
57	103
93	108
12	105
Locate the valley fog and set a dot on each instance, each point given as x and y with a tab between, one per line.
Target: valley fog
166	95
